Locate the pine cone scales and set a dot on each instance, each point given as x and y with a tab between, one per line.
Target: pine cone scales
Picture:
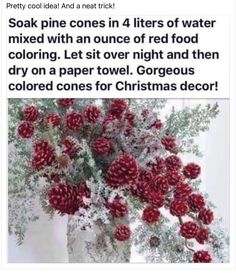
122	171
25	129
201	256
189	230
122	233
117	107
102	146
52	119
30	113
196	202
65	103
43	155
67	197
74	121
117	207
62	196
70	146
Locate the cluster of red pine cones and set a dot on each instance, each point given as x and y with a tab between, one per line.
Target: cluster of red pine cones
164	183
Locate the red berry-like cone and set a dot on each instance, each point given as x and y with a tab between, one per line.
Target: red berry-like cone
25	129
158	166
189	230
117	107
182	191
43	155
160	183
202	236
179	208
122	171
151	215
62	196
196	202
173	163
122	233
174	177
30	113
74	121
206	216
169	143
130	118
118	208
156	199
102	146
191	170
65	103
91	114
202	256
145	176
141	189
52	119
70	146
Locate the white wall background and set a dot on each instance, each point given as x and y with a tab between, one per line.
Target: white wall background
46	240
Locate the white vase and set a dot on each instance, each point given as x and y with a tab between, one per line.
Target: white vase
95	244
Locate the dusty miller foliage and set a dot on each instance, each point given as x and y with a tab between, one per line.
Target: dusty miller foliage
26	189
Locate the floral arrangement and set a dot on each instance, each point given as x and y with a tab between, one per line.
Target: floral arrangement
114	163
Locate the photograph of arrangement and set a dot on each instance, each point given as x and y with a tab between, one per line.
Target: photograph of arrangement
118	173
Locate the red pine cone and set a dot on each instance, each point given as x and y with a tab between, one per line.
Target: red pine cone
156	199
62	196
70	146
141	189
174	177
160	183
25	129
202	236
111	126
102	146
74	121
169	143
206	216
91	113
179	208
122	171
65	103
117	107
159	166
196	202
202	256
173	163
122	233
145	176
39	145
189	230
43	155
52	119
191	170
118	208
130	118
151	215
30	113
182	191
157	124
